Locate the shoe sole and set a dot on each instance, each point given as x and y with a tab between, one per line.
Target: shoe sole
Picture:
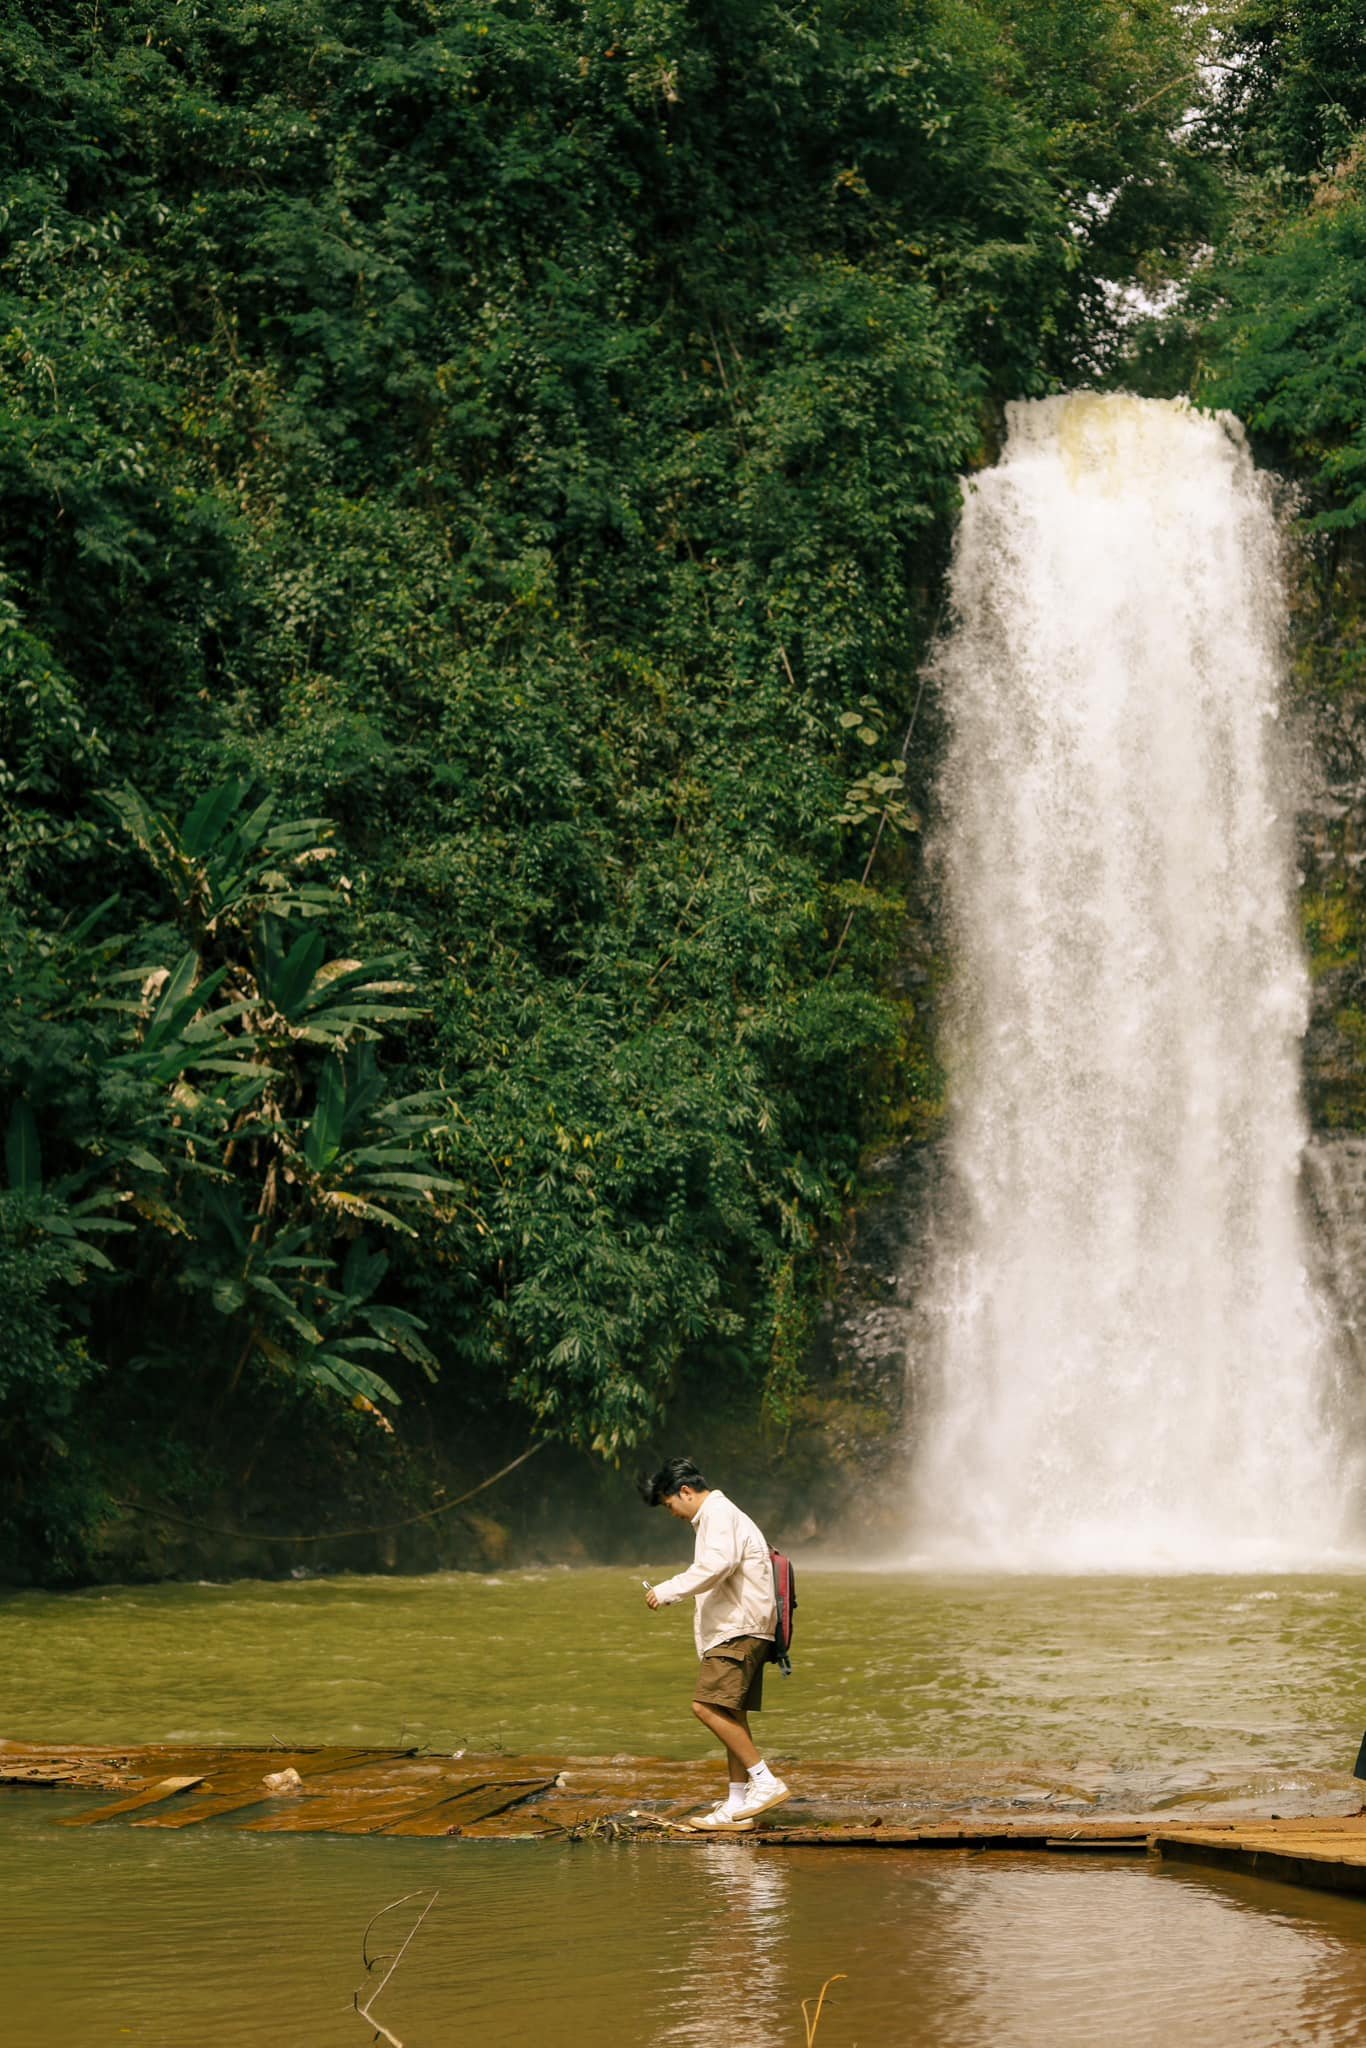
721	1827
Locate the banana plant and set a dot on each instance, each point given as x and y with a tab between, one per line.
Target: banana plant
320	1001
366	1157
257	1130
353	1323
227	863
61	1210
300	1315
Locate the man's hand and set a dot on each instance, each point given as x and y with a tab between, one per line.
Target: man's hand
651	1597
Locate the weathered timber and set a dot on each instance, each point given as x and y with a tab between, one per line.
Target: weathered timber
83	1768
150	1795
967	1807
357	1811
243	1786
511	1812
1327	1857
222	1781
491	1800
986	1833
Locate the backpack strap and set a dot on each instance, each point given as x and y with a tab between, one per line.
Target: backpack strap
778	1654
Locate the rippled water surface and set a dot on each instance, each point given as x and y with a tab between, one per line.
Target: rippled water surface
213	1937
1157	1691
1166	1673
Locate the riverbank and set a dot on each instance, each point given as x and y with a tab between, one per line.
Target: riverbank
290	1505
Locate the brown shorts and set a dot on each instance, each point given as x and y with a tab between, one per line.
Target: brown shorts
732	1674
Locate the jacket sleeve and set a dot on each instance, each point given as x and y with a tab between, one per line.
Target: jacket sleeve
717	1556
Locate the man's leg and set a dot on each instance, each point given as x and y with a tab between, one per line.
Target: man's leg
731	1729
761	1789
730	1726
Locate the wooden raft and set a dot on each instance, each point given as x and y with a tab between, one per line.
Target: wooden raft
407	1792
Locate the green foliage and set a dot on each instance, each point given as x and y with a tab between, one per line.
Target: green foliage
1287	350
1272	324
516	433
223	1107
1290	91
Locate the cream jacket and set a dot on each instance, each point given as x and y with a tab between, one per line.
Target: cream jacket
731	1574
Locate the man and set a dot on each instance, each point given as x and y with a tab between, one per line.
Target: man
734	1623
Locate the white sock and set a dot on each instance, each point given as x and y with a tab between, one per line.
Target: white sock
760	1774
737	1794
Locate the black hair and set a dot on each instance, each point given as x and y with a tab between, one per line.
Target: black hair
670	1479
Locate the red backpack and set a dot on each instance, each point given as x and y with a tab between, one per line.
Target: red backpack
785	1600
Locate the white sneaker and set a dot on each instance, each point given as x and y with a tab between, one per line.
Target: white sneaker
759	1799
720	1821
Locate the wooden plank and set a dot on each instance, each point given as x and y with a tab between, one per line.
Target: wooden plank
242	1788
357	1810
150	1795
457	1816
458	1811
351	1811
932	1835
1284	1864
837	1805
631	1787
1303	1838
101	1769
560	1813
355	1813
1113	1845
434	1817
1295	1842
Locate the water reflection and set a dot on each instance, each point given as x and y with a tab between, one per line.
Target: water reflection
736	1950
1075	1956
174	1941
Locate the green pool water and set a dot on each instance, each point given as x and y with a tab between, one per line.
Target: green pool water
1166	1691
1166	1675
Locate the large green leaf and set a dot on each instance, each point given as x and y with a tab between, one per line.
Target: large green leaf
331	1368
137	817
363	1271
250	833
179	981
401	1330
294	974
292	1314
182	999
322	1141
209	815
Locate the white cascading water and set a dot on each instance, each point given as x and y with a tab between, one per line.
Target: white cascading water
1130	1368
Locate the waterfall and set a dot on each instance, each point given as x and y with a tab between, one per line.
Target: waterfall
1130	1365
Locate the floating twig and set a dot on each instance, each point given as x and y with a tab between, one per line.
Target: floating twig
366	2011
812	2020
660	1820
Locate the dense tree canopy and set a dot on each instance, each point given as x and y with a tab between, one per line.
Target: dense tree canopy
1279	304
474	481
